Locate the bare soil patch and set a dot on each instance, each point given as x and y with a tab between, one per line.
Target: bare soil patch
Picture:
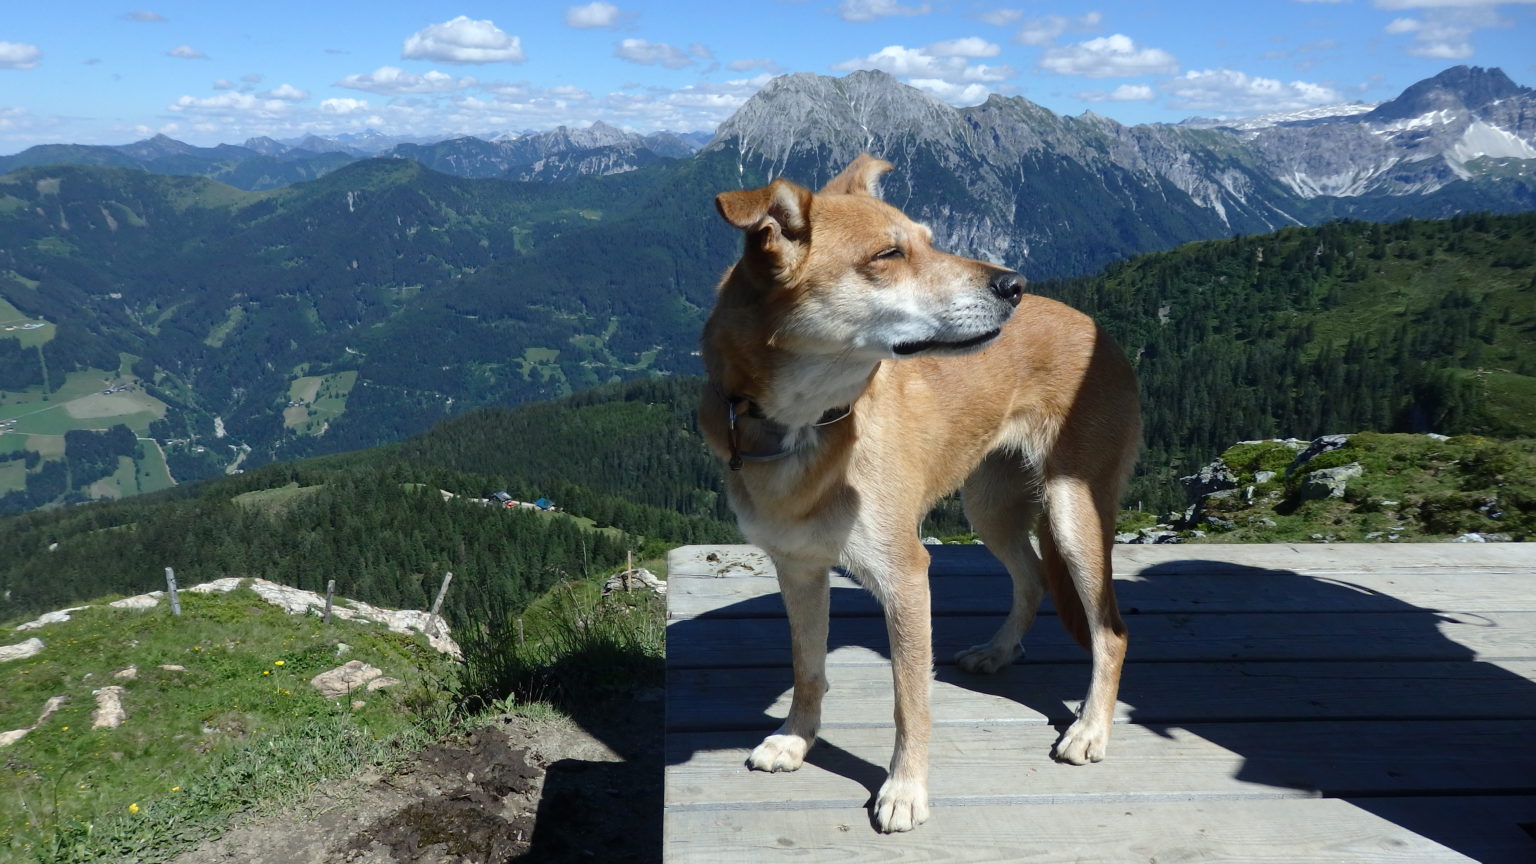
583	789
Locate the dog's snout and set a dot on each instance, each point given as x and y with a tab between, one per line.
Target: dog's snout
1008	286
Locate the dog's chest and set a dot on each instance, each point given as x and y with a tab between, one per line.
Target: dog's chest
834	524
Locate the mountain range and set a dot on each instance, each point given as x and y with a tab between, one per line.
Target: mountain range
265	163
238	326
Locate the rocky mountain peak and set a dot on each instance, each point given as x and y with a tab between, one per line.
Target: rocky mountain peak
160	145
1459	88
865	110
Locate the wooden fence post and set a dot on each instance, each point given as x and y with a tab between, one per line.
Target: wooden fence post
330	592
438	603
170	589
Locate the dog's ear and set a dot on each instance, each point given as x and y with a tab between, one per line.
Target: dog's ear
779	211
861	177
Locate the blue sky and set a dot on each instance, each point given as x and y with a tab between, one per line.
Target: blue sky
206	72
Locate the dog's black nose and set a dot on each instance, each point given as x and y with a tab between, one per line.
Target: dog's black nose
1008	286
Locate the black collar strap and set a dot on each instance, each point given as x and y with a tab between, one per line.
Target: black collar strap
831	416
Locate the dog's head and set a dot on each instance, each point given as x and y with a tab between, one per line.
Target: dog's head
841	272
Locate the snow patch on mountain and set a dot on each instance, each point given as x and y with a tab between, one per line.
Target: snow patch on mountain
1482	139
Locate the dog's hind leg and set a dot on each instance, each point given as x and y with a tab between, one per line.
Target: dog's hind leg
1077	538
1002	502
805	589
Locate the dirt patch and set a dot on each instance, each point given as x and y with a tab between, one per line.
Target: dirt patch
583	789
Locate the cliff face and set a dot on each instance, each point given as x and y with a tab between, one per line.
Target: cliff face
1003	179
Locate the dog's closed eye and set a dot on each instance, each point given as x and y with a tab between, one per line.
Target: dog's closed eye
892	252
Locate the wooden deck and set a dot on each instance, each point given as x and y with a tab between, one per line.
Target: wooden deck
1323	703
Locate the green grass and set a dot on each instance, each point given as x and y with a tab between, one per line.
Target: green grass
241	726
13	475
221	331
152	474
1413	488
11	317
321	400
576	645
41	413
270	501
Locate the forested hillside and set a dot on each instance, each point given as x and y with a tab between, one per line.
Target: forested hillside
1416	326
621	461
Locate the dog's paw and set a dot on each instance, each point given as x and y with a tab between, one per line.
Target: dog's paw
901	805
779	752
1083	742
987	658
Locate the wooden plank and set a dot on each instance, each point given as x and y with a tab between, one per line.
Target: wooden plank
1156	693
991	766
742	559
1317	831
970	584
704	642
1486	827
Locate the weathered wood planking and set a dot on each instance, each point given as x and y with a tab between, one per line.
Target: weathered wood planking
741	584
1326	831
1236	760
720	642
702	699
1381	678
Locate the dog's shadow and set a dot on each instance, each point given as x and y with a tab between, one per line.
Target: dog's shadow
1354	699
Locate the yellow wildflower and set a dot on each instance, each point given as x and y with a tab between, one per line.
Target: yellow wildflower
133	808
277	663
175	788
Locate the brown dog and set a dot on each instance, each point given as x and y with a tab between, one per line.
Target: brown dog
856	376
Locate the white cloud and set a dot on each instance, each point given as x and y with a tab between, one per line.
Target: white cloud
186	52
652	54
1123	93
593	15
947	76
1045	31
870	10
227	104
1002	17
954	94
750	63
19	55
905	62
1230	92
390	80
463	40
252	77
145	16
1116	56
567	91
1445	33
287	93
970	46
223	84
344	106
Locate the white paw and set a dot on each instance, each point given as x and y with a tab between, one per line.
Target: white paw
1083	742
779	752
901	805
987	658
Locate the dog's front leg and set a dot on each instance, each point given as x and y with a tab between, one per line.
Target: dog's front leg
902	803
805	589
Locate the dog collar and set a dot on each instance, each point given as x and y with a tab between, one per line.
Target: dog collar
738	457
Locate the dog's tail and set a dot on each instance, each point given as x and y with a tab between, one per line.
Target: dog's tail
1058	580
